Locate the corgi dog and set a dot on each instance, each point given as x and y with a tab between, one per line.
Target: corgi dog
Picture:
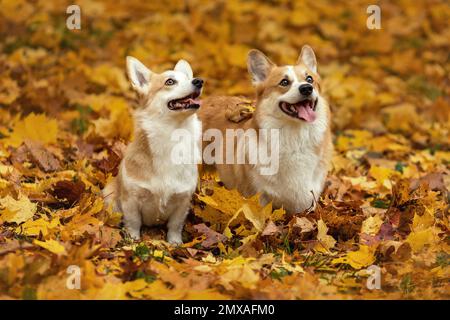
288	100
151	188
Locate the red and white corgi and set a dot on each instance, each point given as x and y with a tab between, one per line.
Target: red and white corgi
288	100
151	188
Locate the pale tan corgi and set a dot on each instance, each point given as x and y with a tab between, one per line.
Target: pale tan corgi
152	188
288	101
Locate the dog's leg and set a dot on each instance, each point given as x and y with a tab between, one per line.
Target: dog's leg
132	218
176	223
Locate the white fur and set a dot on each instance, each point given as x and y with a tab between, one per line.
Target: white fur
172	185
299	179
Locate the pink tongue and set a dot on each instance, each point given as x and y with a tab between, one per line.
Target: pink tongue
306	113
194	101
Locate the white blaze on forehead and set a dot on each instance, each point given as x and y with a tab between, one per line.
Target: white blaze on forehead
292	95
177	75
291	73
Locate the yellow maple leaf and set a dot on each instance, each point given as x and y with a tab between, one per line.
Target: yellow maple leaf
227	201
52	246
119	124
16	211
84	221
387	142
361	182
238	270
108	75
227	231
371	225
352	139
36	227
34	127
278	215
422	222
418	239
257	217
358	259
224	206
326	242
383	176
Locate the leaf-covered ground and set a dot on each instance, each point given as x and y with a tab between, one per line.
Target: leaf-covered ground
65	120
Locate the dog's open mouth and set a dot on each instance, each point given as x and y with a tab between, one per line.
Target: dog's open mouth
188	102
304	110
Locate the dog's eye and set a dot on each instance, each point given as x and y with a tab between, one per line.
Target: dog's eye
309	79
284	82
170	82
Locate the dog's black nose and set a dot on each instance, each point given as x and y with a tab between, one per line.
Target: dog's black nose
306	89
197	82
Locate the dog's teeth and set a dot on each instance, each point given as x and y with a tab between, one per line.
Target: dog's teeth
292	108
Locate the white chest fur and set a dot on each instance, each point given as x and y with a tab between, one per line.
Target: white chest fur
176	148
166	176
300	178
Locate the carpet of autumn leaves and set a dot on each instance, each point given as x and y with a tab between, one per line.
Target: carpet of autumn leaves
65	107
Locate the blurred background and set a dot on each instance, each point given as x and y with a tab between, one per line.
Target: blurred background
395	78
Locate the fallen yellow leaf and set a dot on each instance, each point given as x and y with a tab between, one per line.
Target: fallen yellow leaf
358	259
16	211
371	225
34	127
326	242
52	246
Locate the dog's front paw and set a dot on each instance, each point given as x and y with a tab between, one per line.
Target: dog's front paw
134	234
174	238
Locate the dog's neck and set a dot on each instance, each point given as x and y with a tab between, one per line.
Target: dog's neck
158	131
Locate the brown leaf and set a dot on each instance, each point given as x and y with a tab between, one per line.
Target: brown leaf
304	224
435	181
109	164
212	237
68	190
271	229
41	157
108	237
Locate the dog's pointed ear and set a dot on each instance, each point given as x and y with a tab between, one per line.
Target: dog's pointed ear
308	57
185	67
139	75
258	65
